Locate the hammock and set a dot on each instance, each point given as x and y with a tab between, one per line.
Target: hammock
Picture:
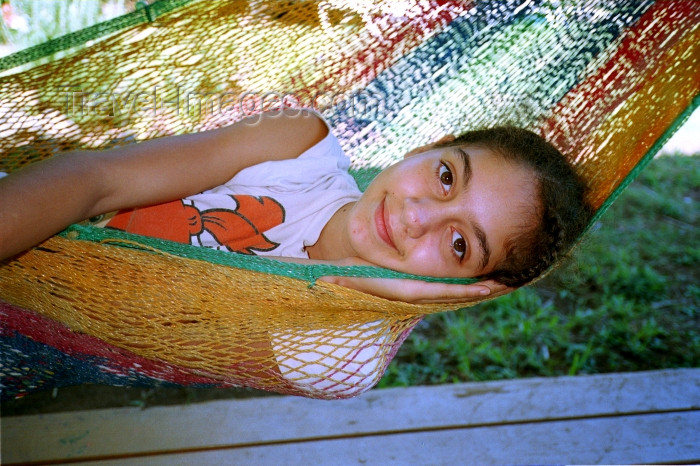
607	82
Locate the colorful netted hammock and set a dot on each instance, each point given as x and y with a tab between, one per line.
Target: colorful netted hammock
607	81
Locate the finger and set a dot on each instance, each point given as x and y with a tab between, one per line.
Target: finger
460	294
494	286
444	293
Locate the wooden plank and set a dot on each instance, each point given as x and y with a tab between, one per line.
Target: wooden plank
656	438
236	423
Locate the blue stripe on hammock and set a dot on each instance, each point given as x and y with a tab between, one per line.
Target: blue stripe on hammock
29	366
455	49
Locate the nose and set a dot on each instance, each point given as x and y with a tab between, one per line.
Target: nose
419	216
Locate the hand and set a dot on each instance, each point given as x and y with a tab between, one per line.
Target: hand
417	291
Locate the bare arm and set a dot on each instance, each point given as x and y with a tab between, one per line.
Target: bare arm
46	197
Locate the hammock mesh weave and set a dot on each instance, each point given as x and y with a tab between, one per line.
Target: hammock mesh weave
606	81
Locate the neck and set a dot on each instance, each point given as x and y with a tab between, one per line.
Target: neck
332	244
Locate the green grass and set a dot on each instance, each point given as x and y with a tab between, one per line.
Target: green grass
627	300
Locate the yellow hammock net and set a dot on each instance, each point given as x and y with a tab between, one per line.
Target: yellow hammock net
606	81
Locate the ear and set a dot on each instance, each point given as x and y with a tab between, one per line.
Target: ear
443	140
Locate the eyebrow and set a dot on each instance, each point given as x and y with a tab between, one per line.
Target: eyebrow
478	230
466	165
483	243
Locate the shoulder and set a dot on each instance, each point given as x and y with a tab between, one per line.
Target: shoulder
294	130
321	158
305	129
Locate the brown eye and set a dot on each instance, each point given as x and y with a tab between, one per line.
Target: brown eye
445	175
459	245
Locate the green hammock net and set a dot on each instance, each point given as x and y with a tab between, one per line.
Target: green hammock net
606	81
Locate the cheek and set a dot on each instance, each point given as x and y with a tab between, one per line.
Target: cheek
412	178
425	258
358	231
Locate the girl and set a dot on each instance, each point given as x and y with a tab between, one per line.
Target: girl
499	204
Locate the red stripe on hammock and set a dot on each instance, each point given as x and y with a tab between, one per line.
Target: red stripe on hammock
116	361
590	102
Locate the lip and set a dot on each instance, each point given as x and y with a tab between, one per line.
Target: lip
382	225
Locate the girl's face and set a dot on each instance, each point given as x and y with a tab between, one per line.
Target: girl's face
445	212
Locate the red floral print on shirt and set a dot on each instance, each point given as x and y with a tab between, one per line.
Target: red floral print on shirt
240	230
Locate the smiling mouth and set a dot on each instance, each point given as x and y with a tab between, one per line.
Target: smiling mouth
382	225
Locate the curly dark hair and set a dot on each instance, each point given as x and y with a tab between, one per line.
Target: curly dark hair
562	213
